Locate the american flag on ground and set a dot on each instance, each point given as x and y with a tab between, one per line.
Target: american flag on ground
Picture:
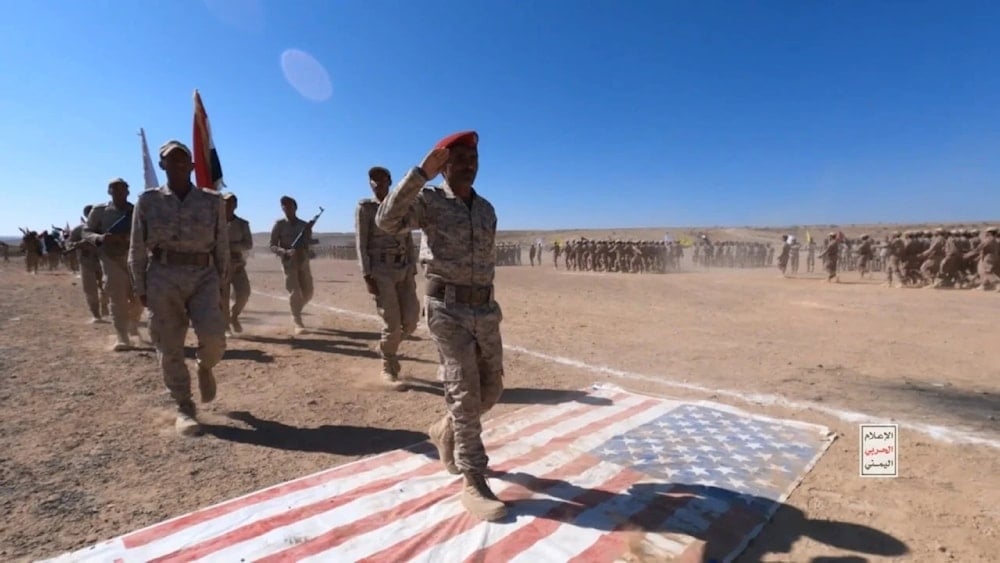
600	478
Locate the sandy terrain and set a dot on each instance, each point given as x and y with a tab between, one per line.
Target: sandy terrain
87	449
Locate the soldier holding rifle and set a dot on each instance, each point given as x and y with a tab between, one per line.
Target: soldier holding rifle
108	228
290	239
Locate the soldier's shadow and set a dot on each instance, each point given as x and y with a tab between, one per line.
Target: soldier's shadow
687	508
515	395
322	345
332	439
252	355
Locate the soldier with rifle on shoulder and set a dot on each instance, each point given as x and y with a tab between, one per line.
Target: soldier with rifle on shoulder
290	240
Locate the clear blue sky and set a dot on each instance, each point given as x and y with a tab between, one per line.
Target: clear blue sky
591	114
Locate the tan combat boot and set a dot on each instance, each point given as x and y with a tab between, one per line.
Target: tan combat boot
442	435
479	500
390	374
237	327
122	342
300	327
186	424
206	383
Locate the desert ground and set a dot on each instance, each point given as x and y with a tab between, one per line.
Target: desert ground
88	451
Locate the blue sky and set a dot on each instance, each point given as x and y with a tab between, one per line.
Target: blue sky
591	114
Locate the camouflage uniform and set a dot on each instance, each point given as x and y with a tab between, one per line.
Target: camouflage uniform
238	283
91	274
298	274
389	259
463	317
31	245
829	256
865	254
113	249
179	254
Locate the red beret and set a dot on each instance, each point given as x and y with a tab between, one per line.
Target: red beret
467	138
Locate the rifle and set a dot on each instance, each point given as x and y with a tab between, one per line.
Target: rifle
295	243
114	230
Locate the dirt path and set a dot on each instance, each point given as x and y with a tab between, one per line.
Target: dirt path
87	450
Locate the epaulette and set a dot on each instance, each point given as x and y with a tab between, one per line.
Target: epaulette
211	191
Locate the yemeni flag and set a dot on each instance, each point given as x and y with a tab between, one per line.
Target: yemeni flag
207	169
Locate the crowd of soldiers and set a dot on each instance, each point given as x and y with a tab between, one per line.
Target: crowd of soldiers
938	258
48	247
731	254
625	256
507	253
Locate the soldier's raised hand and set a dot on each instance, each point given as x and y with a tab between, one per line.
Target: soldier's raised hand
434	162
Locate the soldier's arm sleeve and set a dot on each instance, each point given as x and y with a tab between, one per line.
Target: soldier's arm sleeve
137	249
91	232
402	210
221	249
276	239
361	238
247	236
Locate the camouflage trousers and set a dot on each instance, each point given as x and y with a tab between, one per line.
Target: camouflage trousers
179	296
830	265
987	270
235	293
31	262
471	350
126	309
398	306
863	264
92	280
298	282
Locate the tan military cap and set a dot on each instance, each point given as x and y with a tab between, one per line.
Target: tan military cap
993	230
115	181
172	144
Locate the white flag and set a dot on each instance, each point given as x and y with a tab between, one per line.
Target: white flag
147	164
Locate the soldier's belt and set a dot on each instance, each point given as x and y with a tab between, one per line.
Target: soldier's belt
465	294
172	258
386	258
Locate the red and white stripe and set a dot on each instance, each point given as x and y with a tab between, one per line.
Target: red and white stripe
403	506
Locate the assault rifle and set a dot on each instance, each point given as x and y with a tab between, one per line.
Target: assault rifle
309	225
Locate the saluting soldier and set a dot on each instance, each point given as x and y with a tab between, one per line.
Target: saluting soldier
463	316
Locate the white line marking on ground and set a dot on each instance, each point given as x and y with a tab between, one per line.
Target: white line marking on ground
940	433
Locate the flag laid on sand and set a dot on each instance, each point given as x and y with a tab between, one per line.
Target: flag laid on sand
597	477
207	168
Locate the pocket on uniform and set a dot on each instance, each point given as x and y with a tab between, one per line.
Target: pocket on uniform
451	373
